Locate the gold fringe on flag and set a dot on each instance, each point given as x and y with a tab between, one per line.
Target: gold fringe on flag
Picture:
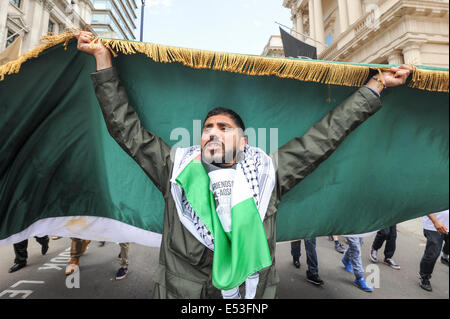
303	70
47	42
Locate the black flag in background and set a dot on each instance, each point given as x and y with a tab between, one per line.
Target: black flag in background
295	48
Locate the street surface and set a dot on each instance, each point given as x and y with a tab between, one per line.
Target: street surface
44	275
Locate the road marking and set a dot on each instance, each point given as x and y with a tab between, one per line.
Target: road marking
14	293
57	263
51	266
25	293
26	282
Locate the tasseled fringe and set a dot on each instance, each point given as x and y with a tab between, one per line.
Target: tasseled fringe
430	80
47	42
303	70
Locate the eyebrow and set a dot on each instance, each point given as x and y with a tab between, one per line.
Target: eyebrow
221	124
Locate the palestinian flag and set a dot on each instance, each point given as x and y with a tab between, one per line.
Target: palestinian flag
241	250
62	174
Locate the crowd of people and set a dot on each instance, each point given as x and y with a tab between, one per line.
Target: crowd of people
435	228
77	249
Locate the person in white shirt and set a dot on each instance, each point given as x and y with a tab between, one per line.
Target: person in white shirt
435	229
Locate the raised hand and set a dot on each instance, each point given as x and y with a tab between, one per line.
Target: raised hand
394	77
397	75
97	49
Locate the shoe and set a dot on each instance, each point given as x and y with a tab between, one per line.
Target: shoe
101	243
55	237
16	267
348	266
339	247
361	284
314	279
119	257
84	247
296	262
391	263
44	248
73	266
373	255
330	238
444	260
425	283
121	273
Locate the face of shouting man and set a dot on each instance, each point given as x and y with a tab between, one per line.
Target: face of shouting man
222	139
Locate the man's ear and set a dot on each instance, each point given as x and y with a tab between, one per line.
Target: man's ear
242	143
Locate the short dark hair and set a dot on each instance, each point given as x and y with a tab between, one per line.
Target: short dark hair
223	110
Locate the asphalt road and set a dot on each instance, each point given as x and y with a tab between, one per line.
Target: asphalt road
44	275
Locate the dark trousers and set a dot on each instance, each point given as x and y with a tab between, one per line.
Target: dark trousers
390	236
432	251
20	249
445	248
311	255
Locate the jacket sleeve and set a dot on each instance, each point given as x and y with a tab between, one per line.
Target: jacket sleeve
301	155
148	150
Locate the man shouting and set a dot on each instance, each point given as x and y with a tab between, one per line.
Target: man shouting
221	197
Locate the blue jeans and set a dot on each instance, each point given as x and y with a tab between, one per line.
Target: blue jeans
311	255
353	255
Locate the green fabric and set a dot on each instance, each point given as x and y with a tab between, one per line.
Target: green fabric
57	158
239	253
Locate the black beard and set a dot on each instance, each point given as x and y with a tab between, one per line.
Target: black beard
221	163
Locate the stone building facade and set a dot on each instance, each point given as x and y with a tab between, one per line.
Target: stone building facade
34	18
374	31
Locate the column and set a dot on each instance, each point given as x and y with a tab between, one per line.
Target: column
33	19
411	54
299	25
343	15
48	6
294	23
320	33
395	57
3	17
354	10
312	27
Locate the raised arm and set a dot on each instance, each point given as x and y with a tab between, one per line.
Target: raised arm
148	150
301	155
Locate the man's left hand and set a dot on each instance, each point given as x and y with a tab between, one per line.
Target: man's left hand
397	75
394	77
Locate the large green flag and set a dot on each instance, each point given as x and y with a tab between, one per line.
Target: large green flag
62	174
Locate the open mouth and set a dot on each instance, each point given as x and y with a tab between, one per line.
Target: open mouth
213	145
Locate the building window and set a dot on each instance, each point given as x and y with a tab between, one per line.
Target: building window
329	40
51	26
10	38
15	2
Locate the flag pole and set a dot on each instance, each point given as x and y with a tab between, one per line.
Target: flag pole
305	35
142	19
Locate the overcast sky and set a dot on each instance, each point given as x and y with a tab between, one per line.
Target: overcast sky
235	26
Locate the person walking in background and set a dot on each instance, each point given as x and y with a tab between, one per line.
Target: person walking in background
444	257
337	244
390	236
435	229
123	256
77	248
21	252
312	274
353	262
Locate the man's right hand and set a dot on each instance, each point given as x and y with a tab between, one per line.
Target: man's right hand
98	50
440	227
